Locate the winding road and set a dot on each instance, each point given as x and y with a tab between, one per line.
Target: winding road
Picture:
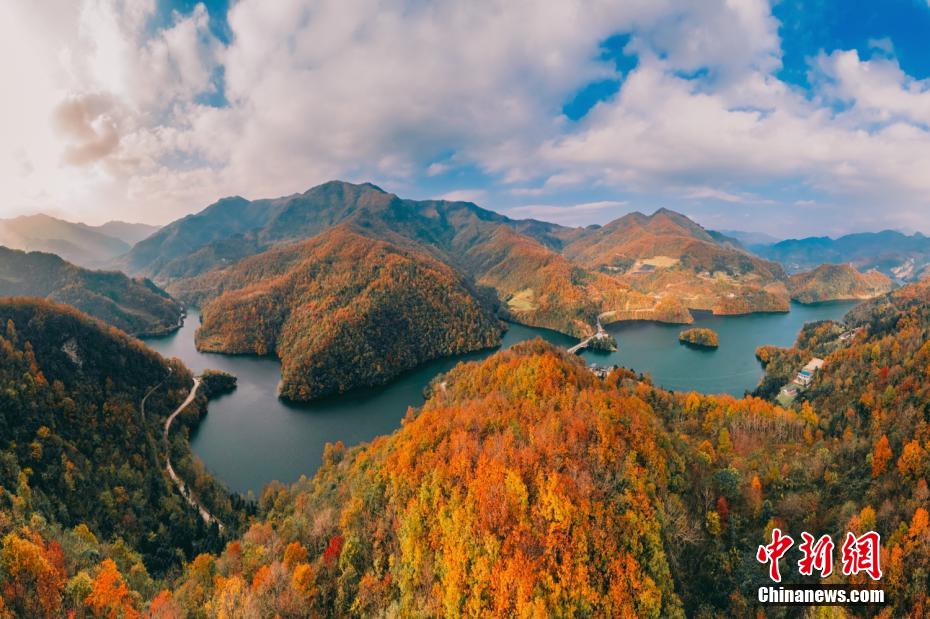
208	518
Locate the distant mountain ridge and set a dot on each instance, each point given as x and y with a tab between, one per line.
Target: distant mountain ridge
900	256
81	244
135	306
543	274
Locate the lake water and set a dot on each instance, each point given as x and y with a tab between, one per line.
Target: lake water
250	437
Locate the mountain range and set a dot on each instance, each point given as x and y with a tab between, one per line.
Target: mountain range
250	262
137	306
656	266
900	256
81	244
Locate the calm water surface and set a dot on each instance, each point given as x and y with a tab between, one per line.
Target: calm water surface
250	437
732	368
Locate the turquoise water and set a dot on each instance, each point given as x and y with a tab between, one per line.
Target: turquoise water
250	437
732	368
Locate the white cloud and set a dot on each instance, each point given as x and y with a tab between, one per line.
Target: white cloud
576	214
108	111
465	195
877	89
713	193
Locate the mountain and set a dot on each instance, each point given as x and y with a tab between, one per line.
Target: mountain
668	252
542	288
136	306
525	484
837	282
751	240
76	446
75	243
340	310
129	233
81	244
899	256
541	273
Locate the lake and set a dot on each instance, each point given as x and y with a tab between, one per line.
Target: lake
250	437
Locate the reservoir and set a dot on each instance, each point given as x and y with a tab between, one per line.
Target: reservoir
250	437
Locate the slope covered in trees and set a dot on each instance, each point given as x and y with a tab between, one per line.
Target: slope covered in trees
638	267
77	445
526	486
668	253
837	282
136	306
340	310
540	287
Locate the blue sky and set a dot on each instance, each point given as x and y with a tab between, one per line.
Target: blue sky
791	118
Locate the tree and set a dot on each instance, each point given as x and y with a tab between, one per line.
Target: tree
913	460
880	456
32	584
110	597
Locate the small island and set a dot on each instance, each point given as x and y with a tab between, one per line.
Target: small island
217	382
603	342
700	337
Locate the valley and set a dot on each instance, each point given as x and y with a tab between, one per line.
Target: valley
251	437
433	360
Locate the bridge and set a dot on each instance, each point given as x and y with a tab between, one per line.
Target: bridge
601	334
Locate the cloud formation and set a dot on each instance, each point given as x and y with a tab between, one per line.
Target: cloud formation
126	113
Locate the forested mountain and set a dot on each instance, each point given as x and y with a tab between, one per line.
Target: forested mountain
340	310
76	445
526	485
543	274
136	306
900	256
668	252
837	282
543	288
84	245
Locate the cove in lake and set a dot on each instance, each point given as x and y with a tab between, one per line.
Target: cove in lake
250	437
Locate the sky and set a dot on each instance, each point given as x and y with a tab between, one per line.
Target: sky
791	118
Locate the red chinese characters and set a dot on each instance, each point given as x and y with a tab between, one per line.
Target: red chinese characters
862	554
817	555
773	552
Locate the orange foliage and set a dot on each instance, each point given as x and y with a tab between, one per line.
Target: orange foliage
111	597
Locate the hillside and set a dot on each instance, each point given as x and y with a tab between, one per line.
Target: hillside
136	306
526	485
899	256
654	267
667	253
540	287
837	282
340	310
602	497
84	245
75	444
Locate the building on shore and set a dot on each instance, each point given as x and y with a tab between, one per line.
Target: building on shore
806	375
